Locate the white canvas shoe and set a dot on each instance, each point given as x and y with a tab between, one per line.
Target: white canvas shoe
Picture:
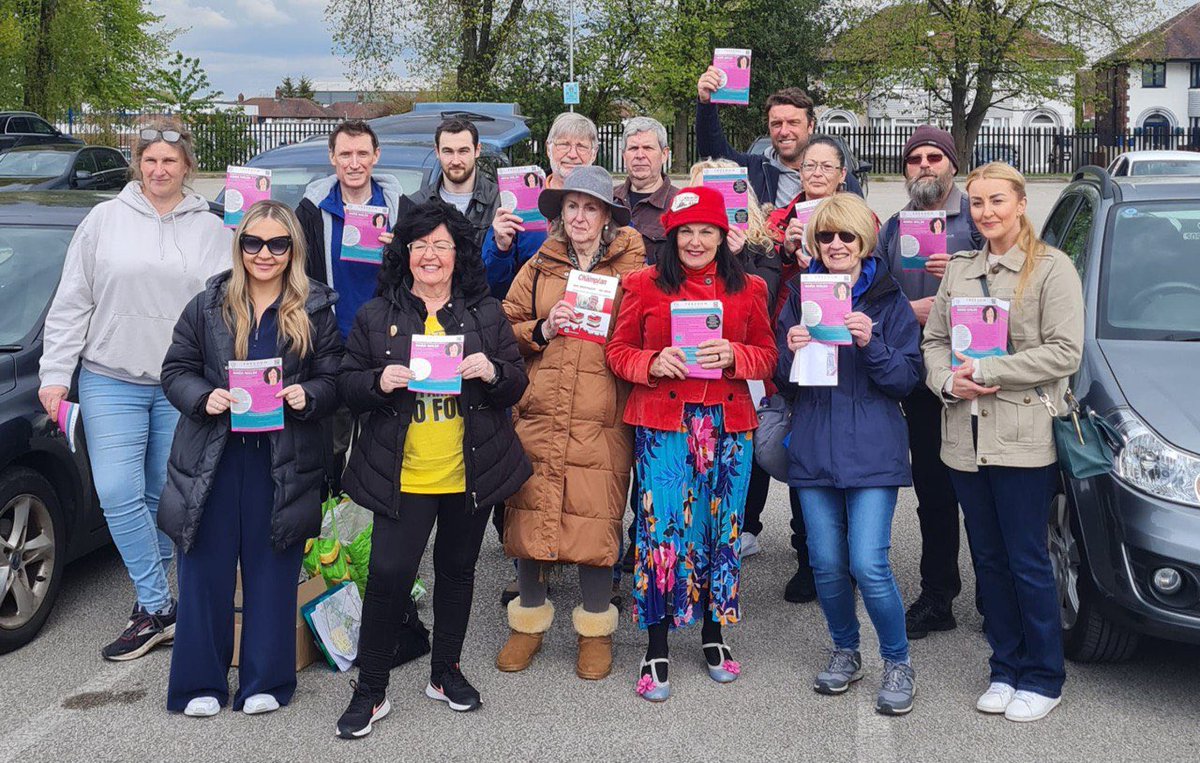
1027	706
995	700
260	703
202	707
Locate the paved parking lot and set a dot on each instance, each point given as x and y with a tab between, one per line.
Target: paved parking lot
61	702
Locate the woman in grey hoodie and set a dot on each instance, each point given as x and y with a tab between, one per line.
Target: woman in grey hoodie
133	264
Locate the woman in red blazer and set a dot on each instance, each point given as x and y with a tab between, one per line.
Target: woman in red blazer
695	421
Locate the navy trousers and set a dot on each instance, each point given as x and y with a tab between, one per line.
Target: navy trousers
236	525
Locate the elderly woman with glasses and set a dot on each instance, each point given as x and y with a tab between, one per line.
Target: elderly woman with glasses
133	264
848	448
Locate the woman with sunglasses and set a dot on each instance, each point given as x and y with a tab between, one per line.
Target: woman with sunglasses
133	264
848	448
238	497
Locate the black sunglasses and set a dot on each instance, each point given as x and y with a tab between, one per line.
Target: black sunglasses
278	246
827	236
170	136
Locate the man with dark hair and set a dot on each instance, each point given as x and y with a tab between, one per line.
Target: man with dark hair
791	119
458	181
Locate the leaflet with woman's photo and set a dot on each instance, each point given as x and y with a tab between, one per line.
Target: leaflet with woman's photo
922	233
733	184
591	297
824	305
734	85
244	187
254	385
520	188
978	328
693	322
360	234
815	365
803	211
434	363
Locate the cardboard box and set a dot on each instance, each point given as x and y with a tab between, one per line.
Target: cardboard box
306	648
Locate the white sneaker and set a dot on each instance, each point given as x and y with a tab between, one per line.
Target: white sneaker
750	545
995	700
1027	706
260	703
202	707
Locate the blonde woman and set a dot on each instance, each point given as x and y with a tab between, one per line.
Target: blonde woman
133	264
997	438
243	497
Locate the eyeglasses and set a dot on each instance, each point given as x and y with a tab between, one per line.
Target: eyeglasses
824	168
420	248
827	236
566	147
278	246
933	159
149	134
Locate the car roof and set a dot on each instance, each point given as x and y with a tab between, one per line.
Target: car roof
19	114
1158	188
500	125
1143	156
65	208
61	147
315	152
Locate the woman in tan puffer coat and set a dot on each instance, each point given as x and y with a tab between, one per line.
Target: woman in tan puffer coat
570	424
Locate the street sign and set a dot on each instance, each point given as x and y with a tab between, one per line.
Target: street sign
571	93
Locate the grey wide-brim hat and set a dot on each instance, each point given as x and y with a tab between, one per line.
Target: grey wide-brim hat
591	180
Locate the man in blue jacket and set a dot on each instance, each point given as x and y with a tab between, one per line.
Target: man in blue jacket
791	119
930	164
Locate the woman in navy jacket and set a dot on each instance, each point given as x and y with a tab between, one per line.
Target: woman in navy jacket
848	447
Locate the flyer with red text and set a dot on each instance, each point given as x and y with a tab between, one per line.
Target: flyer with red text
591	297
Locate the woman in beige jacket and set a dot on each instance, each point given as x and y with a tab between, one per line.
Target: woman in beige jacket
996	430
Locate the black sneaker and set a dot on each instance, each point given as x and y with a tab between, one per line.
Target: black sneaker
801	589
926	615
365	708
144	631
628	560
453	689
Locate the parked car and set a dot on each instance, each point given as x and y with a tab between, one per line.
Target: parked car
24	128
1139	163
1126	545
861	169
996	152
500	125
49	513
69	166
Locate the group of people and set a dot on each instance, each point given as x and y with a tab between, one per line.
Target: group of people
551	436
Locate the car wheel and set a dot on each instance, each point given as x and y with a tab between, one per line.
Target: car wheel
1087	635
32	554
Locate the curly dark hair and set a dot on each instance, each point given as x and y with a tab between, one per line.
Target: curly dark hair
469	277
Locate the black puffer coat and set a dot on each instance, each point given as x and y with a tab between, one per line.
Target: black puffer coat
196	365
495	462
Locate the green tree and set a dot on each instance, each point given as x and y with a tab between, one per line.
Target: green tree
290	88
287	88
183	87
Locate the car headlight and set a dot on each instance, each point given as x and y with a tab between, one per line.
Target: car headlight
1144	461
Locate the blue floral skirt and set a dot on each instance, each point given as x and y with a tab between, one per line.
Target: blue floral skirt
692	500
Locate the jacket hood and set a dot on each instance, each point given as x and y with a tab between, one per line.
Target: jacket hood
320	296
131	195
317	190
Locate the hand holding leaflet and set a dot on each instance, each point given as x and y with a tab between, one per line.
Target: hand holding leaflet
434	364
733	83
254	387
694	322
825	303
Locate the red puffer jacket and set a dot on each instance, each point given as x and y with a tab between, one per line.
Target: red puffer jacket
644	328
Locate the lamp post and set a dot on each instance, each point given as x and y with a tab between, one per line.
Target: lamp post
571	45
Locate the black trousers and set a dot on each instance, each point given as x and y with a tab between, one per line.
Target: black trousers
937	506
756	500
397	546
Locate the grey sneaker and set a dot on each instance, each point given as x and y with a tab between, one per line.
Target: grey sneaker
897	690
844	668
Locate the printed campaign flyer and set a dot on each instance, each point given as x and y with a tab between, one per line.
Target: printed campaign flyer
520	188
734	85
244	187
68	419
921	234
693	322
815	365
978	327
824	305
434	364
733	185
591	295
254	385
360	236
804	210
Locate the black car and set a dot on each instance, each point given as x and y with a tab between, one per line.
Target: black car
49	514
24	128
1126	545
57	167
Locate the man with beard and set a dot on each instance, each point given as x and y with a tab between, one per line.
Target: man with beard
930	164
458	183
647	191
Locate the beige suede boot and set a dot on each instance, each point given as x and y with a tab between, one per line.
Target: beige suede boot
528	625
595	631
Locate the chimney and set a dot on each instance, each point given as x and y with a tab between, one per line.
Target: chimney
241	97
278	94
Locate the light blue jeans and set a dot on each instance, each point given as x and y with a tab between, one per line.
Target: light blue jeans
850	534
129	429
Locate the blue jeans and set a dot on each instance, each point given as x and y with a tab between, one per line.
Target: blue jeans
129	429
849	534
1005	510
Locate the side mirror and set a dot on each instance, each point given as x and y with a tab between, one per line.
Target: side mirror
81	179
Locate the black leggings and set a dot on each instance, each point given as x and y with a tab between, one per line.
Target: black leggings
396	549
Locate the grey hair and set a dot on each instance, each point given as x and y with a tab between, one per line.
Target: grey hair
645	124
570	124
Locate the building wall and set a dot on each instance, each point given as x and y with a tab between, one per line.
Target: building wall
1171	100
914	107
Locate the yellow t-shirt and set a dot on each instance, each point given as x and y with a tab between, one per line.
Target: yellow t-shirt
433	447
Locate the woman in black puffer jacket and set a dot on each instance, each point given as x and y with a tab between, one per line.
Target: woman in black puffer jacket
423	459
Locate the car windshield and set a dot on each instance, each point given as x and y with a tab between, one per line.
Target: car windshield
1167	167
33	164
1150	282
288	183
31	261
